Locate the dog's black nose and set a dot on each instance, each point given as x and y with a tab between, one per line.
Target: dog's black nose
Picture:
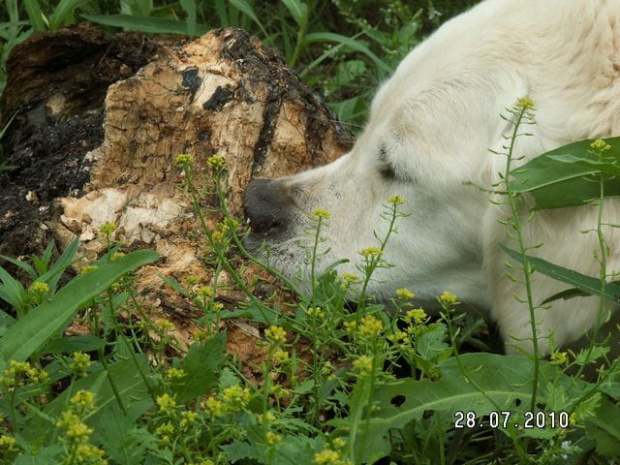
267	206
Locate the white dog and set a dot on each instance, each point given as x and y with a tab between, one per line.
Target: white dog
427	140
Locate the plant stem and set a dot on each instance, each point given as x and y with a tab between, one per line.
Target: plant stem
525	264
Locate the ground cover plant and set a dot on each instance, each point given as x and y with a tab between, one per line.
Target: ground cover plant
342	383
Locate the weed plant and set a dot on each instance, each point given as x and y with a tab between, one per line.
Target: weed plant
339	385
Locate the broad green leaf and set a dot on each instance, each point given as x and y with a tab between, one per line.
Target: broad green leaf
201	364
491	382
6	321
556	180
604	428
298	10
65	345
146	25
587	284
348	42
32	331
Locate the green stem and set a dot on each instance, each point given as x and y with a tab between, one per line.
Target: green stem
525	264
602	272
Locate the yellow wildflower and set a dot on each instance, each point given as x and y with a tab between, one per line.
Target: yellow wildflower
182	160
83	399
273	438
525	103
166	403
405	294
448	299
276	333
321	214
217	162
600	145
559	358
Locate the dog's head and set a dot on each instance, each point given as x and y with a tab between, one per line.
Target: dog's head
428	141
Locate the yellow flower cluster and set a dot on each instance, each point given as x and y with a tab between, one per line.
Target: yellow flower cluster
448	299
600	145
83	399
217	162
182	160
369	252
236	398
166	403
165	431
73	426
319	213
396	200
363	365
175	373
7	442
280	357
188	418
213	407
81	362
273	438
107	228
415	316
276	334
405	294
19	372
559	358
525	103
316	311
330	457
370	327
39	287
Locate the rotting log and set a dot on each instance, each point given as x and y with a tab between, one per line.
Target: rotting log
95	123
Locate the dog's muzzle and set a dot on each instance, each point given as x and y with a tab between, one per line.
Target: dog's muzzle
268	207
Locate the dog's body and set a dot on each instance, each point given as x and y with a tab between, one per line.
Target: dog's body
428	139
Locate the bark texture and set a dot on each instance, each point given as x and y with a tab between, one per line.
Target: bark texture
95	123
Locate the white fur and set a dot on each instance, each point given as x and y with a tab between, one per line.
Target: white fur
437	118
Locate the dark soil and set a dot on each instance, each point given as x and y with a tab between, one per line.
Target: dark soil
53	105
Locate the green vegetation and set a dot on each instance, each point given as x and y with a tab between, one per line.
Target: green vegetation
338	386
340	48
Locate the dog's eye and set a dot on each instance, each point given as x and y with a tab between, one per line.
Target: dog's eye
386	169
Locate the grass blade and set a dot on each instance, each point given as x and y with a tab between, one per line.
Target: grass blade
146	25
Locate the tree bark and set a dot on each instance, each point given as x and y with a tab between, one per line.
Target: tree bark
95	123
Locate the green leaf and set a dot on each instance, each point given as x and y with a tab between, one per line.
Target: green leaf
201	364
65	345
477	382
587	284
32	331
557	178
11	291
348	42
246	8
146	25
190	8
604	428
63	13
6	321
35	14
298	10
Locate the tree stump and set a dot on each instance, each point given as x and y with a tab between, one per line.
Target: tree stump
95	123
